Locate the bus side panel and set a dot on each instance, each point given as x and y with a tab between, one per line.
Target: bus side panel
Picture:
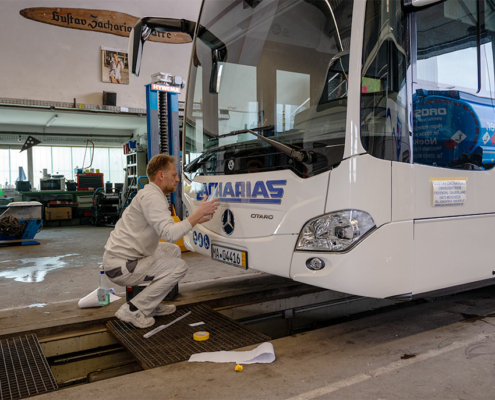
403	192
380	266
452	251
479	196
412	192
362	183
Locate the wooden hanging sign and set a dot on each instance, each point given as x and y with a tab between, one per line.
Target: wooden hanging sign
105	21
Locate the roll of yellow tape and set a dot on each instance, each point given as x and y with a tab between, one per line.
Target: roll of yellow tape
200	336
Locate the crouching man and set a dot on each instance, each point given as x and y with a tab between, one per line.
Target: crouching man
134	253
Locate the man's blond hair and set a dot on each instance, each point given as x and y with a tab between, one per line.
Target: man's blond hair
159	162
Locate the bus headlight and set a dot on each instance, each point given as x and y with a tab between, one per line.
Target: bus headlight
337	231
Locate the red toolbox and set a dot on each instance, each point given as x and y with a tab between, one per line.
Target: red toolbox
89	181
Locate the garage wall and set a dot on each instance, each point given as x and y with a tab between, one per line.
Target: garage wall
47	62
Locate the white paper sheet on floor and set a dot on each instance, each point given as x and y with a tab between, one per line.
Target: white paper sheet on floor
263	354
91	300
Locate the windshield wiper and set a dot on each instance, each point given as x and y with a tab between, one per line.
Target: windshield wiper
302	155
233	133
192	164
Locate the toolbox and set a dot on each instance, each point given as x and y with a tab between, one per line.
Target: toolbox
57	213
89	181
132	291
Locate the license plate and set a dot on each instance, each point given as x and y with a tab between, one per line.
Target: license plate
237	258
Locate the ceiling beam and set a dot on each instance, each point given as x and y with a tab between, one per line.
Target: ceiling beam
86	135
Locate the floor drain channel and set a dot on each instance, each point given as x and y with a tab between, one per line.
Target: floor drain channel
24	371
176	343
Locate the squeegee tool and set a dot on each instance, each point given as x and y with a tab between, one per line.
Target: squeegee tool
162	327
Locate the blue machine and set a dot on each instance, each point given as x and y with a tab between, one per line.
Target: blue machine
453	128
162	111
20	223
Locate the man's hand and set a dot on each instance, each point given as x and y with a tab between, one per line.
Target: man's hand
204	212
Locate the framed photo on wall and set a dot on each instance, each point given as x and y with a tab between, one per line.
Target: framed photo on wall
114	66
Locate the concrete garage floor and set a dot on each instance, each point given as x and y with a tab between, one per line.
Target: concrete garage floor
440	349
436	350
65	267
40	285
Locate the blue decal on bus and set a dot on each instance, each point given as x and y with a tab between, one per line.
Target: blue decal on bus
452	127
207	242
200	240
269	192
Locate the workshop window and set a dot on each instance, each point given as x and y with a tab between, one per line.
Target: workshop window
4	167
117	163
10	161
81	157
60	161
101	161
42	159
17	160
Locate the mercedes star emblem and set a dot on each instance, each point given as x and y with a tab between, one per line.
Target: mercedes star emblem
231	164
228	222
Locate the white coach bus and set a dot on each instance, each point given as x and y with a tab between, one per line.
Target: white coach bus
351	142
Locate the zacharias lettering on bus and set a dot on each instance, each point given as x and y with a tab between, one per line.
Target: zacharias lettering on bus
269	192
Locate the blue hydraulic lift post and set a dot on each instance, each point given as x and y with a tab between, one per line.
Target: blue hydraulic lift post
152	117
173	127
152	122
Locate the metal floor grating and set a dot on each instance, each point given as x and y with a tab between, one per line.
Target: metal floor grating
24	371
176	342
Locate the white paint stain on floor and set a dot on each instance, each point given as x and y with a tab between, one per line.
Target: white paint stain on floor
37	305
32	269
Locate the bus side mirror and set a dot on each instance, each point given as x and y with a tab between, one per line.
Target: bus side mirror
145	27
416	5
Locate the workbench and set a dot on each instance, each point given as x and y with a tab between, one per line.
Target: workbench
48	195
45	196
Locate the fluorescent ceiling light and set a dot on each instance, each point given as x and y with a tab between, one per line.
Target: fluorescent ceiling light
52	120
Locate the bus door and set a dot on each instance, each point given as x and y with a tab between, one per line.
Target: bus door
453	118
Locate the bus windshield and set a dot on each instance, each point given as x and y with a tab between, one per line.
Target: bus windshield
278	65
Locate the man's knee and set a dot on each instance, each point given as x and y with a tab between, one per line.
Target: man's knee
182	267
170	249
170	267
176	251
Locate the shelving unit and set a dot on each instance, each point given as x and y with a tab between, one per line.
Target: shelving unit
136	166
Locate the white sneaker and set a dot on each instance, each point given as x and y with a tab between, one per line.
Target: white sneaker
136	318
163	309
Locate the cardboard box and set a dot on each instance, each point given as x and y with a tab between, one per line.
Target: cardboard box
56	213
85	201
